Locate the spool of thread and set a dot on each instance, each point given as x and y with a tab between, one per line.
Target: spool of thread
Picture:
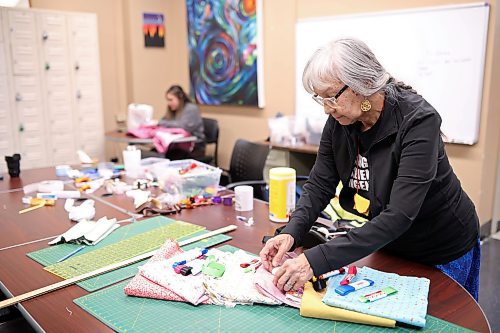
216	199
281	193
227	201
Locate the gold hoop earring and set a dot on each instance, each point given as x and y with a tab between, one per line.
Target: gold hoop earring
366	105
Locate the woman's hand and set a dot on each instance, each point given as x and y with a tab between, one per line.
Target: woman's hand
293	274
274	250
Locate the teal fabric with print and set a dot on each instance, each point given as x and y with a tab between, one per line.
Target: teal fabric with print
408	305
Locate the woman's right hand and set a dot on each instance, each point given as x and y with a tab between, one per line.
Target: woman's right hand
274	250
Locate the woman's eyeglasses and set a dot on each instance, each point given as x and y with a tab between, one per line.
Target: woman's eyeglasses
329	101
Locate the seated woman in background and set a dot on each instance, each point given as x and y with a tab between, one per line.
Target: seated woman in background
182	113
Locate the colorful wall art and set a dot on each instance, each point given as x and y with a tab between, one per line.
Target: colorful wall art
225	65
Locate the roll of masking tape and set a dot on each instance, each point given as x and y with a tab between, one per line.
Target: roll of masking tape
50	186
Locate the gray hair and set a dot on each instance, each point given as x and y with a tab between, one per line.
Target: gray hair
352	62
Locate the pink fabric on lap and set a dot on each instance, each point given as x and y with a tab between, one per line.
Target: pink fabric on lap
162	137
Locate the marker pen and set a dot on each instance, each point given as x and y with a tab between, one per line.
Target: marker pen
349	288
372	297
325	276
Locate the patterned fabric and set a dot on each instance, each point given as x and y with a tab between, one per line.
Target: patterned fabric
141	287
313	306
408	305
465	270
236	286
264	282
188	287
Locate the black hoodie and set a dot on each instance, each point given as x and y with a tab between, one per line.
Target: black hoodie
418	209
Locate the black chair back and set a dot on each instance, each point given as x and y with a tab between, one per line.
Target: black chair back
211	130
247	161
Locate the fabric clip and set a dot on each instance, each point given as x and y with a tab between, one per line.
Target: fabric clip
246	264
186	270
178	268
351	274
318	284
325	276
253	267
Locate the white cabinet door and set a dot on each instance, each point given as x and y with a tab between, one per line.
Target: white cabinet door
24	59
87	84
27	89
57	89
55	57
6	125
50	86
3	59
83	28
31	121
52	27
1	25
21	26
53	35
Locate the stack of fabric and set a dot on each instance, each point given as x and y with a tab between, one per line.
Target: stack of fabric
237	285
407	305
244	281
264	282
140	286
158	279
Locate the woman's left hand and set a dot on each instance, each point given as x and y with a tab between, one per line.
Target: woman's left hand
293	274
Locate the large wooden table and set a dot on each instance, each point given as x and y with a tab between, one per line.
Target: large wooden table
56	312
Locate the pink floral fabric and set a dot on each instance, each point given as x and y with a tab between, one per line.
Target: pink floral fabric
263	280
140	286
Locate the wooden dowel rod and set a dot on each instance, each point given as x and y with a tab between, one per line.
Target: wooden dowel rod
105	269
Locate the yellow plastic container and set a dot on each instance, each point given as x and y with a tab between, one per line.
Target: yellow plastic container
281	193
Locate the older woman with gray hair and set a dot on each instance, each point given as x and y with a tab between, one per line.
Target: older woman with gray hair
383	142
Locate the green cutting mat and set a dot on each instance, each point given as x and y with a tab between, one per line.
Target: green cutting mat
134	314
50	255
123	250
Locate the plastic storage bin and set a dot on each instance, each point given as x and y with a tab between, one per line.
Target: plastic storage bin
148	161
201	179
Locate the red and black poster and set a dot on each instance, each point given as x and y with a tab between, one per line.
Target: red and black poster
153	28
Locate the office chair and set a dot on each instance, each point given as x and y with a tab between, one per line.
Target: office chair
247	166
211	130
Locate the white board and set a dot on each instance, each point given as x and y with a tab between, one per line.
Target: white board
439	51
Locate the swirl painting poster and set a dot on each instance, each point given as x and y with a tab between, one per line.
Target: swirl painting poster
225	50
